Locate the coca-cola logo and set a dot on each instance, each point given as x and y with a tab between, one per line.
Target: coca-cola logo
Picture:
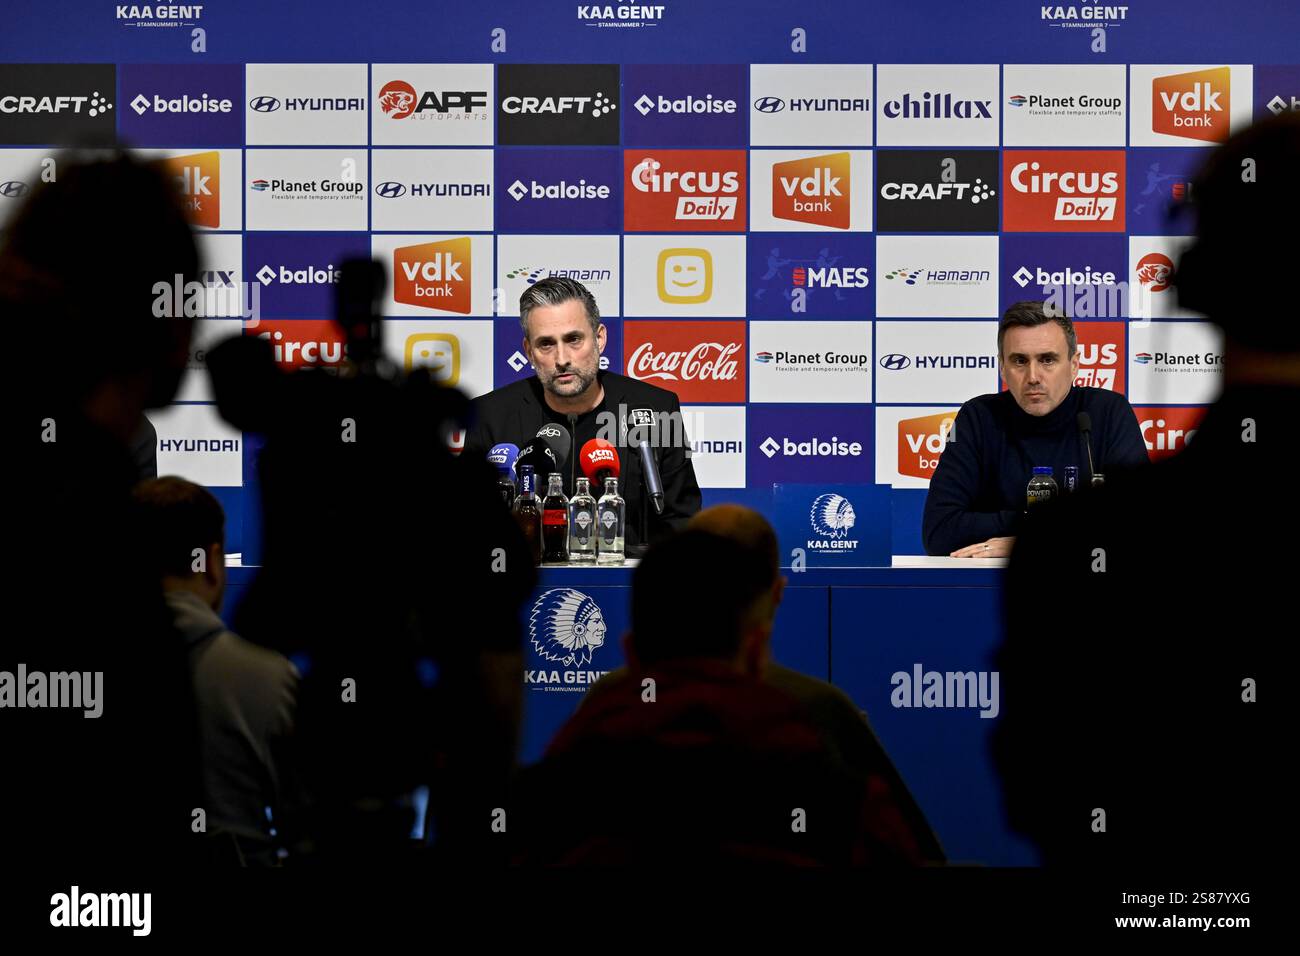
703	362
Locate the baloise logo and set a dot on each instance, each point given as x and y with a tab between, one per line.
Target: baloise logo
557	105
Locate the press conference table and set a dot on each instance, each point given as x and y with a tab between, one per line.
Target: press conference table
855	627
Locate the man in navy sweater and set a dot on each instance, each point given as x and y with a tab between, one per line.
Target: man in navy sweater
977	494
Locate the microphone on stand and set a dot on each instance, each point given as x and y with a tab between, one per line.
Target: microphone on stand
1085	426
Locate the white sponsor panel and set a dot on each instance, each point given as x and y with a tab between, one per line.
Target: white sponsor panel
717	435
935	361
1075	105
305	104
196	443
591	260
477	273
222	261
824	362
427	104
1190	101
415	187
920	446
1152	261
1175	363
810	104
806	189
456	354
685	275
936	276
21	171
937	105
196	385
307	189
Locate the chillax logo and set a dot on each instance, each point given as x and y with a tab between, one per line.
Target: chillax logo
198	179
434	275
813	190
439	352
921	441
1192	105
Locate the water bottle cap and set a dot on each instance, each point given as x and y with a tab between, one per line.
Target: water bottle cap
1042	470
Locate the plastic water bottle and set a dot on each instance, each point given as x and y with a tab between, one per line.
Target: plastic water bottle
1042	487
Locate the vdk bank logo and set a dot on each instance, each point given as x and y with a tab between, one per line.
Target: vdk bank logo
832	518
813	190
1192	105
198	179
921	441
565	627
434	275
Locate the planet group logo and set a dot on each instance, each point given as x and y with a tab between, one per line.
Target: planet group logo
684	190
832	516
566	626
434	275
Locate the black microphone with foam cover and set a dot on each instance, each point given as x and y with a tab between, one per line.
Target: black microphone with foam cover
654	485
559	441
1085	427
540	455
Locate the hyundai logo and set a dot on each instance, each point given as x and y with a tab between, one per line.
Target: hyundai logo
390	190
264	104
13	189
769	104
895	362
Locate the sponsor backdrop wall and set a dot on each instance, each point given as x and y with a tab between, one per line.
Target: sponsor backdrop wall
804	219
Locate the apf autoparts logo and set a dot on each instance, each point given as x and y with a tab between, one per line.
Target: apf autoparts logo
565	627
621	16
1155	272
159	15
398	100
832	518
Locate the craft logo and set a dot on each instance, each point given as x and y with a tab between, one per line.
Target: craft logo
438	352
928	191
58	104
832	518
1064	190
399	100
813	190
557	104
433	275
1192	105
921	441
198	179
700	190
565	627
